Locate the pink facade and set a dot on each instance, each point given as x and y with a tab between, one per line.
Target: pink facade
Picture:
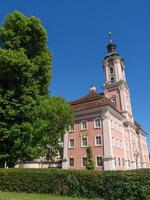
79	150
105	122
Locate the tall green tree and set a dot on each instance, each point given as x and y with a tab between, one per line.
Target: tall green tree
29	118
90	162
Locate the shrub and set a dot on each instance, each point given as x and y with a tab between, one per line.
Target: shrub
90	162
109	185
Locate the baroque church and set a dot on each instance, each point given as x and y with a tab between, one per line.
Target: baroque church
104	121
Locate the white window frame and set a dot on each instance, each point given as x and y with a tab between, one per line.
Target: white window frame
73	161
82	141
71	130
71	147
96	140
97	162
95	124
82	127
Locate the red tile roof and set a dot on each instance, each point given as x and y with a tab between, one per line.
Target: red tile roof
91	100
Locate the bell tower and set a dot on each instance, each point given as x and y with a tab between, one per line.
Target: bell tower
115	86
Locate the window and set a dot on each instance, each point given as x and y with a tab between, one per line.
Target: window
113	100
119	162
71	143
84	125
111	70
97	123
98	140
71	162
123	163
112	79
115	161
84	142
84	161
99	161
129	163
71	128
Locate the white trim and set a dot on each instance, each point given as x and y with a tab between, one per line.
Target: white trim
71	147
82	141
107	141
97	118
82	128
65	164
98	145
71	130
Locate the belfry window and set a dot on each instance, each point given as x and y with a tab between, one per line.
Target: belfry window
113	99
111	70
112	79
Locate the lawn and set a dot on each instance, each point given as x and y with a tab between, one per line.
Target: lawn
25	196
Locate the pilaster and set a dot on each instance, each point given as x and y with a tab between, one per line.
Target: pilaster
107	139
65	162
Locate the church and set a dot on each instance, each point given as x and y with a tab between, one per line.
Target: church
104	121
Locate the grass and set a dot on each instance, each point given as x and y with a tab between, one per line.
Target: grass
25	196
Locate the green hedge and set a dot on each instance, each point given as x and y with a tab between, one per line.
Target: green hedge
110	185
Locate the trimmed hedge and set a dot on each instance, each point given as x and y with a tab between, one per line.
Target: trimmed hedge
110	185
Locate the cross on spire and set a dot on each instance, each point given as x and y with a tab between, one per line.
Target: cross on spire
110	37
111	47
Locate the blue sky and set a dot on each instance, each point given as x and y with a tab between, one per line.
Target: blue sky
77	36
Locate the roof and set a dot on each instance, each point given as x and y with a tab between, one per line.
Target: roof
138	127
91	100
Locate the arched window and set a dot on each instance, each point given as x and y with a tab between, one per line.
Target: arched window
112	79
111	70
113	99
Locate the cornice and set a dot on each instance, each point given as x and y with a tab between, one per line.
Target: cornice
116	84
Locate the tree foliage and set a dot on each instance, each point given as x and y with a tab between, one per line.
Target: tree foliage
29	119
90	162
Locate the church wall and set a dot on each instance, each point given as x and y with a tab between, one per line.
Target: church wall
118	143
114	92
78	152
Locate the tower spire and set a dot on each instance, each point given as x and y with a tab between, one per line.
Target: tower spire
111	47
110	37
